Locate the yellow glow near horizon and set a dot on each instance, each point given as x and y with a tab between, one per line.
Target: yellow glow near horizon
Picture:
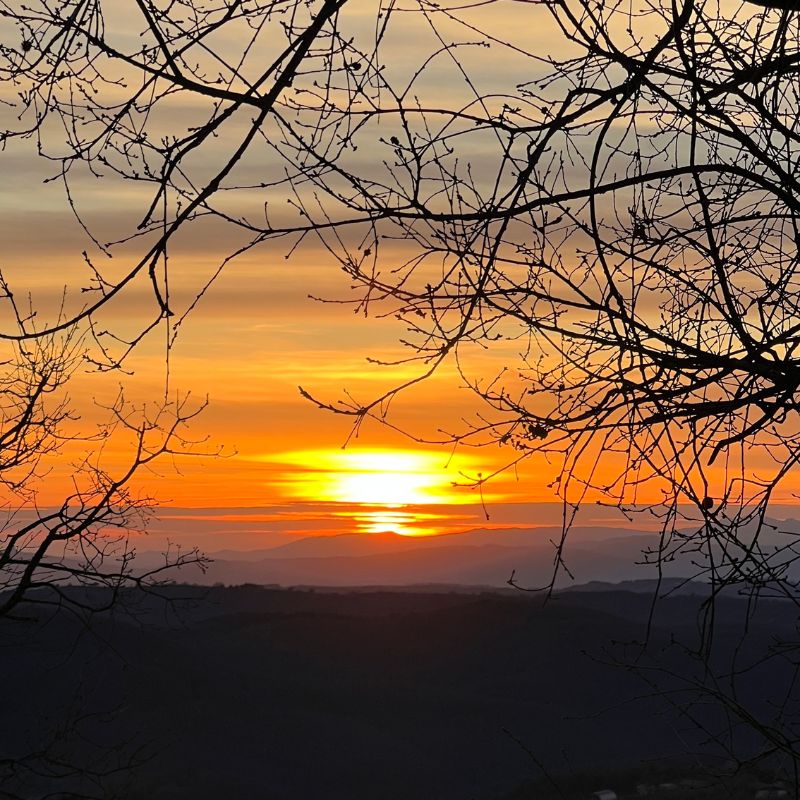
371	519
388	478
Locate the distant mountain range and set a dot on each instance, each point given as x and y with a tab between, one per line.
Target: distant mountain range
478	557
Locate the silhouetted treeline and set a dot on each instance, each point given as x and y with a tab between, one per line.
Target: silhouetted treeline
251	692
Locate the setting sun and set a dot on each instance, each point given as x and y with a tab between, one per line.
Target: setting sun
387	478
384	488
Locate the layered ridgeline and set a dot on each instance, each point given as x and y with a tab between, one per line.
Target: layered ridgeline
481	557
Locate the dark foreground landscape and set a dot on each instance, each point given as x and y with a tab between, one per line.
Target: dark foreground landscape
250	692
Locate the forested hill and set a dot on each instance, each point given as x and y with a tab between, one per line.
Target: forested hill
251	692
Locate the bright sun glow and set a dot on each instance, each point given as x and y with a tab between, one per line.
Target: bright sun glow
388	487
390	478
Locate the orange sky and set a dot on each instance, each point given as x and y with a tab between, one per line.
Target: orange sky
250	345
257	336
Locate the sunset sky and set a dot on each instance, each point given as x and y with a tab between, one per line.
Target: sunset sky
253	340
257	336
249	346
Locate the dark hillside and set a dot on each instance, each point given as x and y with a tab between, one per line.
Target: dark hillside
258	693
